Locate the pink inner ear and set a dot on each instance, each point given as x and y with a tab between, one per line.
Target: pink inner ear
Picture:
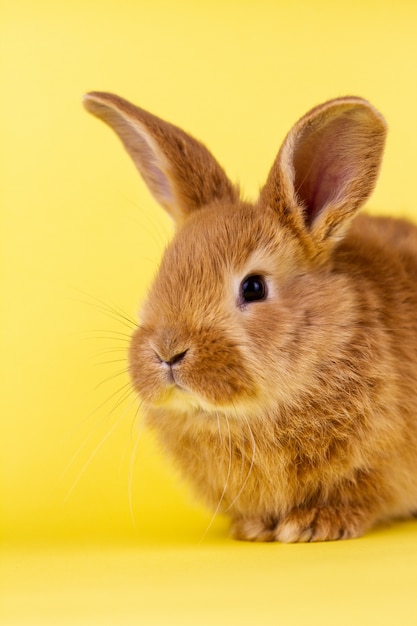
146	160
324	164
160	184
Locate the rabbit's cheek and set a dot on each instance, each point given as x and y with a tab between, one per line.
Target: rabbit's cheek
145	369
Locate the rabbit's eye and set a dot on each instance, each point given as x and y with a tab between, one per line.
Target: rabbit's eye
253	288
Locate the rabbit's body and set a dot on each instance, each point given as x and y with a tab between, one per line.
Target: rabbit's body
277	350
341	424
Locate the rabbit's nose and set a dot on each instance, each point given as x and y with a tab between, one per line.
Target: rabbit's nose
170	345
169	356
176	358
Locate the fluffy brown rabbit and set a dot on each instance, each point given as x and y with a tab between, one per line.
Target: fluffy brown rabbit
276	355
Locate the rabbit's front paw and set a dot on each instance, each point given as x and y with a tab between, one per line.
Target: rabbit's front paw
324	523
253	529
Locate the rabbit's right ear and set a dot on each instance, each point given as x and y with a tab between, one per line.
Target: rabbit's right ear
180	172
326	169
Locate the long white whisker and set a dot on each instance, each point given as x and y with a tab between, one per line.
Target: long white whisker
131	467
236	498
95	451
113	335
111	351
229	469
115	312
128	384
111	362
125	395
112	377
219	428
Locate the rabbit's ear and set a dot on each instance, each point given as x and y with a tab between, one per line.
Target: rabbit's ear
326	169
180	172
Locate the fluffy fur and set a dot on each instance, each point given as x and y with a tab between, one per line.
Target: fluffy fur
295	414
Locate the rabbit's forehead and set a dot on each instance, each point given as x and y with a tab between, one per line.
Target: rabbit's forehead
227	238
242	240
202	269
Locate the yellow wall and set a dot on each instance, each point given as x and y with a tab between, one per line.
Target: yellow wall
80	233
79	228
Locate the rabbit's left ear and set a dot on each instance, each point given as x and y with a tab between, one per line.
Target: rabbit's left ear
180	172
326	169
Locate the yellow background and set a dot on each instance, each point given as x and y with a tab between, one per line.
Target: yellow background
96	527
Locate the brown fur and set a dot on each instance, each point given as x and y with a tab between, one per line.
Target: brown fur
296	415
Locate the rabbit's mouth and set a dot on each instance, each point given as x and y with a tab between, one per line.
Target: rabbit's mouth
204	369
171	370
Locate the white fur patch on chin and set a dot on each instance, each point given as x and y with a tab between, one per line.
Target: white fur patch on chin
181	400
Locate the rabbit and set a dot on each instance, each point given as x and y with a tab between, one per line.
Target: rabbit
276	354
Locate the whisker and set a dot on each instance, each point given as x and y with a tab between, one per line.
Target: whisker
116	333
86	419
95	452
120	315
123	399
229	469
219	428
116	316
112	377
109	337
113	311
128	384
236	498
130	438
111	362
131	466
140	403
111	351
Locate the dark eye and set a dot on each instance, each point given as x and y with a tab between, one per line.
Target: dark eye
253	288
